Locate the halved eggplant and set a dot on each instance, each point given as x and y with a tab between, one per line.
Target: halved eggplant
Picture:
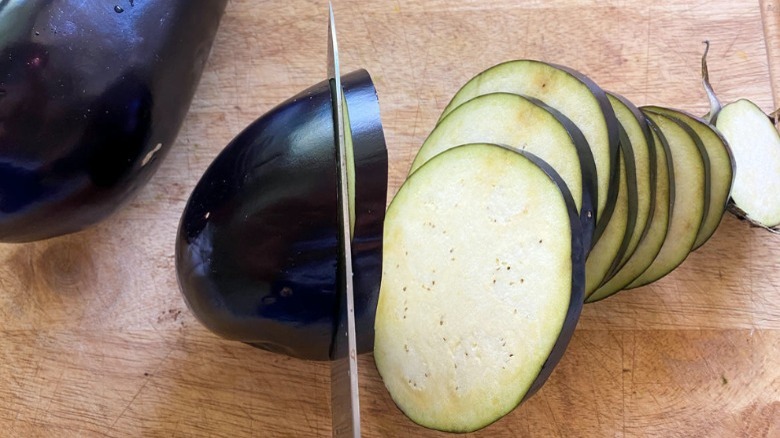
573	94
91	100
527	124
615	238
257	249
658	226
721	168
689	166
755	144
465	331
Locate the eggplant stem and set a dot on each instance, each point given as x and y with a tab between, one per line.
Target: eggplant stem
715	104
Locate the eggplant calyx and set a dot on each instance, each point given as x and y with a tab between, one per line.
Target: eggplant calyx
742	215
715	104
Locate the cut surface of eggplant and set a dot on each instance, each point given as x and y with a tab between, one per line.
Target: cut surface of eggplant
614	240
472	321
755	144
527	124
721	169
658	226
575	96
690	200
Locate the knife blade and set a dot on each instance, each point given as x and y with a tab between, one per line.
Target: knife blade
345	401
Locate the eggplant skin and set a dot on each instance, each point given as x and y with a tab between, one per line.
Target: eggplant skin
257	253
91	99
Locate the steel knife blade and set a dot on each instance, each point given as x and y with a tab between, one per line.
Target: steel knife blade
345	401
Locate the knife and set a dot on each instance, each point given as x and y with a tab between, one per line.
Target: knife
344	399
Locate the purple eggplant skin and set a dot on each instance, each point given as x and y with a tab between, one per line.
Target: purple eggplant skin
257	253
92	96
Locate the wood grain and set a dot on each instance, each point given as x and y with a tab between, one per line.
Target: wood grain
96	341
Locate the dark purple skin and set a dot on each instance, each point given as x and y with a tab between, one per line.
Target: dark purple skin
257	254
88	90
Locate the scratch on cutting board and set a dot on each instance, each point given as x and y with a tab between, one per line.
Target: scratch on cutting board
53	395
555	423
122	414
147	378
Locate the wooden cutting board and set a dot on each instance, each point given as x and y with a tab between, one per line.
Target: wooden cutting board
95	339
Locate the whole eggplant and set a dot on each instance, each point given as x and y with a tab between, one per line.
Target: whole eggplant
257	252
92	95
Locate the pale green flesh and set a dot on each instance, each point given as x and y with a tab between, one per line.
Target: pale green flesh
689	200
511	120
350	166
755	144
653	239
644	161
603	254
560	90
464	327
721	167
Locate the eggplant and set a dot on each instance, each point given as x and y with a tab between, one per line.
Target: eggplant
92	96
257	250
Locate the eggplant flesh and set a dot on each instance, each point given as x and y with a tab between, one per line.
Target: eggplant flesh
755	144
91	100
466	331
528	124
257	252
572	94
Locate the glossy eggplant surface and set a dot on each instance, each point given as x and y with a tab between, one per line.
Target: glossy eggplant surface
92	95
258	250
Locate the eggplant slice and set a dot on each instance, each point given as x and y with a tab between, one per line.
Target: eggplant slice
614	241
755	144
482	285
658	225
573	94
257	249
689	165
641	139
721	168
528	124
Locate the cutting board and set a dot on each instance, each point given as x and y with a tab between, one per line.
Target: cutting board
95	339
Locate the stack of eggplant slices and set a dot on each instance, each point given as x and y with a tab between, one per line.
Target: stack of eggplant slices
536	192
